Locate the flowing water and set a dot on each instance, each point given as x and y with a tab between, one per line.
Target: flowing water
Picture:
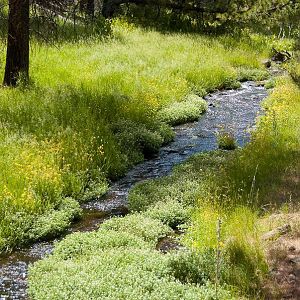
233	110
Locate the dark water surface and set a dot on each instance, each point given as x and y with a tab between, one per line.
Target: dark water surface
234	110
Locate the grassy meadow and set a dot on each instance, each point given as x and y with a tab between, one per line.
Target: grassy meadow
95	108
98	104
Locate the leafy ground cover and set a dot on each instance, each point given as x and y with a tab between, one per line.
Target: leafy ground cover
95	108
119	261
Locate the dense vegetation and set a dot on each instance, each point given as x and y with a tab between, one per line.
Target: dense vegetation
91	125
192	197
102	96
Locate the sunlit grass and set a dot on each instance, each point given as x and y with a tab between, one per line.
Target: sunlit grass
90	112
260	173
235	189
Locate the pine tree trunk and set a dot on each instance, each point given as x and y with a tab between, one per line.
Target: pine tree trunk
17	57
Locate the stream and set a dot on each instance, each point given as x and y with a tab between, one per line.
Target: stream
233	110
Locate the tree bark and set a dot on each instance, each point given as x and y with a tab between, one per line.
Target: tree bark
17	57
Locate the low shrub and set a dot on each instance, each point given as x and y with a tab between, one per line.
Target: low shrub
137	141
79	244
171	213
150	142
182	112
95	189
26	227
172	188
195	267
54	222
14	228
112	275
166	132
141	226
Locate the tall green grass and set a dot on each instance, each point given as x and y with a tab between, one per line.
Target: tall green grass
91	109
266	171
235	189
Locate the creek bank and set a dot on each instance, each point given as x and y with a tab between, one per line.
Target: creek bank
283	255
234	110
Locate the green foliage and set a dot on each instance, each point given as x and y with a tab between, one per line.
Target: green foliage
65	23
280	17
245	74
14	225
122	249
113	274
270	84
258	172
202	177
171	213
226	140
194	267
23	227
95	189
294	67
54	222
118	261
78	245
142	226
138	141
248	266
240	245
184	185
182	112
166	132
208	178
